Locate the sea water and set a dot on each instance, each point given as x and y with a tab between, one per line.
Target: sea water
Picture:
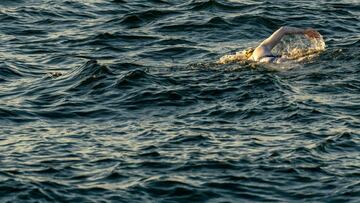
122	101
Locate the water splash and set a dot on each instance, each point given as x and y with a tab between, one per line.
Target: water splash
294	47
231	58
298	46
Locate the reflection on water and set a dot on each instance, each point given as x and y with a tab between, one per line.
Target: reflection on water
122	101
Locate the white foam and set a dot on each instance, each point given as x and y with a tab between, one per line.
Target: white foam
297	46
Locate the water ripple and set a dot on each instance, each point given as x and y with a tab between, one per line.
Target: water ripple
122	101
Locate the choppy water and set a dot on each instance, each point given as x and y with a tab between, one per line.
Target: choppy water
119	101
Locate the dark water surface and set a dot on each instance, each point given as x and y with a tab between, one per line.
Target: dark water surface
119	101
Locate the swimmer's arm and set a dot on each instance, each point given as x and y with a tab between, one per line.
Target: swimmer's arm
275	38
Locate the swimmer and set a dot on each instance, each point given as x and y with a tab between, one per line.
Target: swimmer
262	53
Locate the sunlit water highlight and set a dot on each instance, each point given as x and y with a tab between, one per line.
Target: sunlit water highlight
122	101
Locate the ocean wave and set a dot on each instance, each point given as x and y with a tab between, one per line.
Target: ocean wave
134	20
122	101
217	5
8	72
